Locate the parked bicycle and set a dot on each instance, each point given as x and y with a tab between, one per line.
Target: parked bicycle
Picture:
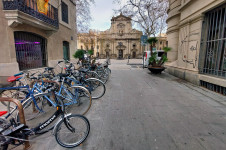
70	130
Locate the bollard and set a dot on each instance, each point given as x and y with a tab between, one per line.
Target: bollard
21	115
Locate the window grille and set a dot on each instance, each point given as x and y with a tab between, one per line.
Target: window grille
213	51
30	50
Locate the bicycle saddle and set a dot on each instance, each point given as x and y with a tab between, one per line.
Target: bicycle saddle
3	113
13	78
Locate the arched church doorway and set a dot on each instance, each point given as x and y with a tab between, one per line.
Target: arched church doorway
134	55
120	54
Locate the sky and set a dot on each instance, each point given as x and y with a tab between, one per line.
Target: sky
102	12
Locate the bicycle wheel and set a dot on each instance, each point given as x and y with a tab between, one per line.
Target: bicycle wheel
16	94
108	70
96	87
8	94
34	116
3	139
92	74
103	75
72	130
81	100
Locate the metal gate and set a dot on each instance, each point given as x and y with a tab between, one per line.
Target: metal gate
30	50
213	51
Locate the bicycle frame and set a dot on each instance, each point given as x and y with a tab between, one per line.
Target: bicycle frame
30	94
69	96
48	121
73	97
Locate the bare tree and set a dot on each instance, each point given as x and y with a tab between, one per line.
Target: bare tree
150	15
83	14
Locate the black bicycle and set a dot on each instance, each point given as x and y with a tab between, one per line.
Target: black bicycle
70	130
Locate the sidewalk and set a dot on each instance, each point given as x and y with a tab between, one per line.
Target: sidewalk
145	111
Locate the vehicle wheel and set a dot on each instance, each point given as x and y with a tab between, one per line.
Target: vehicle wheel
72	131
34	116
3	139
103	75
92	74
81	100
96	87
15	94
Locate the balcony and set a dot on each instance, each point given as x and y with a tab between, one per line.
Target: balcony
26	12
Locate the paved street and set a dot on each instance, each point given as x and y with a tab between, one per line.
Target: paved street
141	111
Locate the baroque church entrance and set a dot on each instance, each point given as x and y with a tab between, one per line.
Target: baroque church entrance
120	54
134	55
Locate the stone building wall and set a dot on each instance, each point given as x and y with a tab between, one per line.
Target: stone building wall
54	38
184	34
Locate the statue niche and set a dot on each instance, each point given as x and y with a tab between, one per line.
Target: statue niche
121	29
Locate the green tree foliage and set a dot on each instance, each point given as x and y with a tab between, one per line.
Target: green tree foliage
152	40
155	62
79	54
90	52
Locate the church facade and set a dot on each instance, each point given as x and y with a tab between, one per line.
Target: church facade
118	42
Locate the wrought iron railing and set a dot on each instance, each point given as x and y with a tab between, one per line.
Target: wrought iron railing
30	7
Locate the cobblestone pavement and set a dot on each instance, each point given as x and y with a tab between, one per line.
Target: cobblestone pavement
142	111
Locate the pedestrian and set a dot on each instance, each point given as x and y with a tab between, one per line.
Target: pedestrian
128	58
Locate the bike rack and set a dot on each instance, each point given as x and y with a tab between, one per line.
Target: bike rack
21	115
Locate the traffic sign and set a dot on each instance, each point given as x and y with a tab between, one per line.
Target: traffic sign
144	39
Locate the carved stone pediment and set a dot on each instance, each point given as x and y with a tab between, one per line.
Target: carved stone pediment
121	17
107	50
134	50
121	47
121	26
